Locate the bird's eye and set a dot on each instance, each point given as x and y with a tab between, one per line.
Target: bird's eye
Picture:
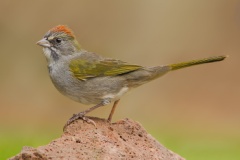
58	40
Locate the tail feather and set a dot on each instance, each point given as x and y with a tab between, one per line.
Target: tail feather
146	74
196	62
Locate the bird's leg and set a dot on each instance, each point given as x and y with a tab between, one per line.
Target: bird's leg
81	115
112	111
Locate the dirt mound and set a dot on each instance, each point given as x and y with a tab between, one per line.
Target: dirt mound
124	139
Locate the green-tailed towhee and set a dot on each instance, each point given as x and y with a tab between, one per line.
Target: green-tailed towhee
92	79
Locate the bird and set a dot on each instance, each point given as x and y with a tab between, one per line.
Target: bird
89	78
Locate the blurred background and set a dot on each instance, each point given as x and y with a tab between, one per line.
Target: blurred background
195	111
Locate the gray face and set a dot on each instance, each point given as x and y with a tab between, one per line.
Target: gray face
57	44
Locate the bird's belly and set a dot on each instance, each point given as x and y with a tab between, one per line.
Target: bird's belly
73	91
91	91
117	95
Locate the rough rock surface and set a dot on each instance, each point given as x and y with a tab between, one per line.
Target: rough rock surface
124	139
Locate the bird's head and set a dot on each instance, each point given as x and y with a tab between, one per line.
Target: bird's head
59	41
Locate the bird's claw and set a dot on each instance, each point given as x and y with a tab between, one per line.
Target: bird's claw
88	120
75	117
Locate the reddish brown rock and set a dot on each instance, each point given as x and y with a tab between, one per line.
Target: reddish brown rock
124	139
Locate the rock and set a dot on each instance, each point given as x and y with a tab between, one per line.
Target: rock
124	139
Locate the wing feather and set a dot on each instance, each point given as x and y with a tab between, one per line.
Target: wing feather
83	69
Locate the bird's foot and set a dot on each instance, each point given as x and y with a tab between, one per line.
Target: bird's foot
80	115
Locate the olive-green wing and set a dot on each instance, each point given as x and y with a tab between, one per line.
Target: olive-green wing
83	69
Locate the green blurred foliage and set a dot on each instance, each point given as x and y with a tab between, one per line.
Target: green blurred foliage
184	110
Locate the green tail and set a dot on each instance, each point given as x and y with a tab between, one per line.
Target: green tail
196	62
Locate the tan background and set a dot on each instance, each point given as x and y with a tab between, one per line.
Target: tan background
204	98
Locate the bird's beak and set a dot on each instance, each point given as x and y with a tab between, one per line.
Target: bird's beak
44	43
